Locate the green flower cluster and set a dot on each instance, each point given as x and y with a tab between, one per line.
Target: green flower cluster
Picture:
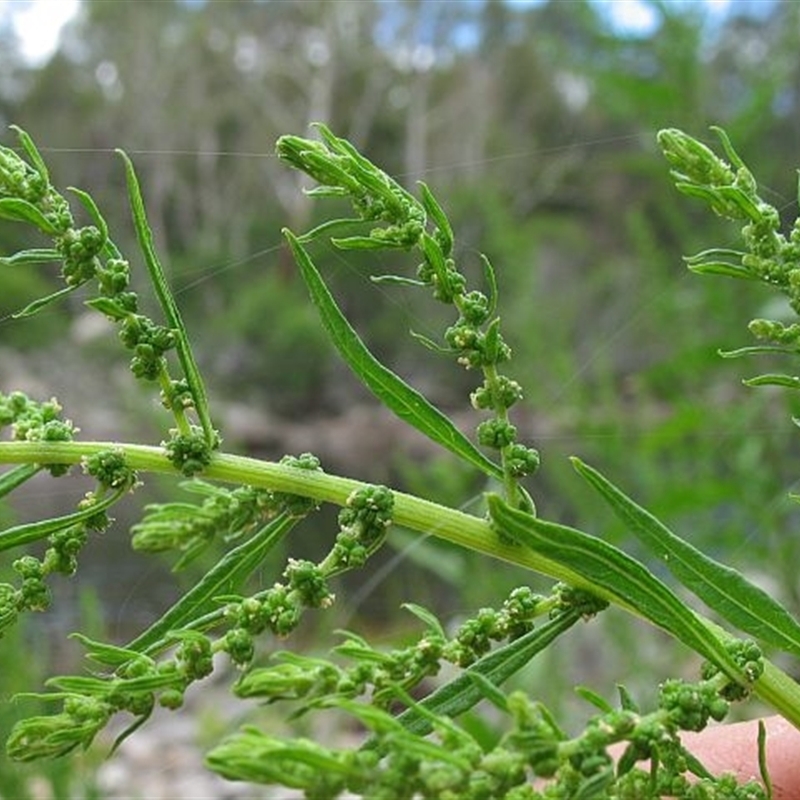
139	681
769	256
363	524
386	674
451	765
88	703
342	171
32	421
405	222
230	513
26	193
187	527
88	254
65	536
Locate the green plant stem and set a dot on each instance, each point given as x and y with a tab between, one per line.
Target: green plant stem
510	483
775	687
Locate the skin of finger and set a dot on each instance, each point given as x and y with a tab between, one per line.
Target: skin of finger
734	748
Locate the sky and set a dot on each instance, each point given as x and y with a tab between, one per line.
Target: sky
38	23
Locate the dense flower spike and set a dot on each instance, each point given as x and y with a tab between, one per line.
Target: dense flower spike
405	222
88	255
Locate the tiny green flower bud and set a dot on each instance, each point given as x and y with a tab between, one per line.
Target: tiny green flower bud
110	469
114	277
56	735
496	433
306	578
475	308
194	654
238	644
522	460
190	453
171	699
693	159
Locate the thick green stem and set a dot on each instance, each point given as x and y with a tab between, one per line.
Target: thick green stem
775	687
409	511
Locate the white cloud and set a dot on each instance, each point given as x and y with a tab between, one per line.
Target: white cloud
631	16
37	24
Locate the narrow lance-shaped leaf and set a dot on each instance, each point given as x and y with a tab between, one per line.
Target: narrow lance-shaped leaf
32	152
723	268
774	379
721	588
463	693
366	243
167	301
34	531
34	255
614	576
395	393
226	577
720	261
94	212
436	213
491	283
757	349
20	210
13	478
43	302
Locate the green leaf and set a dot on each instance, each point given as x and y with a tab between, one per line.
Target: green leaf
463	693
94	212
32	152
493	341
367	243
43	302
108	306
435	258
723	268
398	280
167	301
405	401
714	253
109	655
614	576
720	261
15	477
772	379
597	700
439	218
330	225
491	282
757	349
34	531
226	577
20	210
429	618
746	204
721	588
35	255
434	347
733	156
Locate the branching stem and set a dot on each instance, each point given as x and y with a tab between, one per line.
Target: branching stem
775	687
